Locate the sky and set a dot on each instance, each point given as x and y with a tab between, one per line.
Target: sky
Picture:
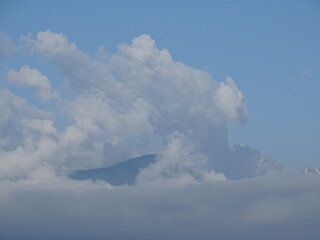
224	92
270	48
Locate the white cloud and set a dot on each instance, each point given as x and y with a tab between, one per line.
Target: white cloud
178	163
134	102
131	102
31	77
30	140
14	112
231	100
23	130
80	70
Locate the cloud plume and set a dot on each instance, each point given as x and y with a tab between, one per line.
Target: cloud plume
140	96
138	101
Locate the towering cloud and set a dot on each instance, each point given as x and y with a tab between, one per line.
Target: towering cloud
134	102
131	103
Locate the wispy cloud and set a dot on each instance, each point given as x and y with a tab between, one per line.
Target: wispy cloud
6	46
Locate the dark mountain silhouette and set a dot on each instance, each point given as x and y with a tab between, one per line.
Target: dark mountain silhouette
121	173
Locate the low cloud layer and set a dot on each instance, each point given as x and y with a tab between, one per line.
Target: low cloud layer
272	207
138	101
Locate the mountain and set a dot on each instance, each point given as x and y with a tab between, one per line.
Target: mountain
126	171
315	171
121	173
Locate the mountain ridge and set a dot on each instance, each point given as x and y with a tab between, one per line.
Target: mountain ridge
121	173
125	172
315	171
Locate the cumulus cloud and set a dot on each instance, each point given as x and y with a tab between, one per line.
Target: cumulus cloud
79	69
140	94
179	163
138	101
22	127
131	104
231	100
31	77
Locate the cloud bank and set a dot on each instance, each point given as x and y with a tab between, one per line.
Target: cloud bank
282	206
138	101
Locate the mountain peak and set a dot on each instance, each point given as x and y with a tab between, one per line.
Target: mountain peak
315	171
121	173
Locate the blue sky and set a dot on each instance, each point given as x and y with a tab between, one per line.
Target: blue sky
270	48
